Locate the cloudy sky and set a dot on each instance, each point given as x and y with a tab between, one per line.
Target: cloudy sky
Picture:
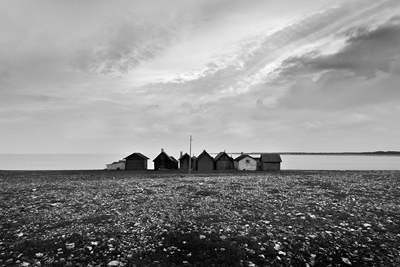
126	76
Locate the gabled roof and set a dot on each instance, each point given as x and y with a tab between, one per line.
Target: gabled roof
204	153
168	156
137	154
173	159
184	155
270	157
244	156
220	154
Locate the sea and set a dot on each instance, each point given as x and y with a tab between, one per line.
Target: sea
289	162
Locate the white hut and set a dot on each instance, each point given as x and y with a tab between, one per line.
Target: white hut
117	165
245	163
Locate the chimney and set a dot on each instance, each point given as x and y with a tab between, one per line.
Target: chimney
162	149
181	154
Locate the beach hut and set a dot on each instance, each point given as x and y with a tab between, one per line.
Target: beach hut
136	161
205	162
165	162
117	165
224	162
245	163
270	162
184	162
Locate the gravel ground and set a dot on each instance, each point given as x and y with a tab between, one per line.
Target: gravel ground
124	218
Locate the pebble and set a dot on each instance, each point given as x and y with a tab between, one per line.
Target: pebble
39	255
114	263
346	260
70	245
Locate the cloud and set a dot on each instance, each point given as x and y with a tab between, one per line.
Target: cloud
365	52
363	72
227	89
123	46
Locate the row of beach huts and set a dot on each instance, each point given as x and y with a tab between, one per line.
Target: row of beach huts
202	163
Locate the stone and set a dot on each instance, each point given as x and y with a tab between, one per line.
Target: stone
114	263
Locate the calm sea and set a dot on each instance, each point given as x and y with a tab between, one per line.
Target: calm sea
325	162
99	161
56	161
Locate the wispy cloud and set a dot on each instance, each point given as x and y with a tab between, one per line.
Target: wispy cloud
365	52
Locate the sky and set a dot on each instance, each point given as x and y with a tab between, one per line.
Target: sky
98	77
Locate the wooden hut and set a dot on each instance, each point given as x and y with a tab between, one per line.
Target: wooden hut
165	162
184	162
270	162
205	162
245	163
224	162
117	165
136	161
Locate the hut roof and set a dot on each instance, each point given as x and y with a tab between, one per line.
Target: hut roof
173	159
270	157
117	162
220	154
204	153
168	156
243	156
184	155
137	154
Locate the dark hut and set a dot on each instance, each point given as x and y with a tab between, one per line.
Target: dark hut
224	162
165	162
136	161
184	162
270	162
205	162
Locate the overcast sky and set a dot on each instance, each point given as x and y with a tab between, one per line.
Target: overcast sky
138	76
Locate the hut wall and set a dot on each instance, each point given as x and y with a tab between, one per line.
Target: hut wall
205	164
271	166
194	164
136	164
172	165
248	164
224	165
116	166
184	163
236	163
